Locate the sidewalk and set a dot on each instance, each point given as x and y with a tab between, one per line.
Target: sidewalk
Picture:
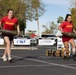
21	48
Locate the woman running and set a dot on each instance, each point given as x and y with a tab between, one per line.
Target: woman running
8	23
67	26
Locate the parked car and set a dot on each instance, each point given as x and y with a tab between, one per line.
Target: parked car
23	36
33	41
0	35
51	37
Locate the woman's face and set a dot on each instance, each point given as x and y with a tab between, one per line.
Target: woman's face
10	14
69	19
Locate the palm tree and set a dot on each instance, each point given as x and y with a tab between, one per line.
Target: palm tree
60	19
39	10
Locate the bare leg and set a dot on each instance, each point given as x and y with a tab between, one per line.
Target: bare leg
12	44
7	50
73	46
66	48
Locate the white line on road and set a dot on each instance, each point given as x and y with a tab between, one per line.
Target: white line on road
54	64
40	61
19	66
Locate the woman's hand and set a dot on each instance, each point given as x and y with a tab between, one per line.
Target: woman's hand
74	31
1	28
60	29
18	33
18	30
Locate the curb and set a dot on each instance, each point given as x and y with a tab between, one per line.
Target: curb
21	48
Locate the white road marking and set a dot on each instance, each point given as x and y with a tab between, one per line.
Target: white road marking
70	64
54	64
40	61
19	66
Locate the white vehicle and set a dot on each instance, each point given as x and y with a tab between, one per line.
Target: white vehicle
24	40
49	36
47	39
1	40
59	43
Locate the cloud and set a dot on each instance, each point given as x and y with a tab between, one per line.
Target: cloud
56	2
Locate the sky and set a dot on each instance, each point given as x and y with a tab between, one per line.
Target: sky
54	9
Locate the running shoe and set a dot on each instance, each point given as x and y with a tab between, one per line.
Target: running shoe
65	58
74	57
9	59
4	58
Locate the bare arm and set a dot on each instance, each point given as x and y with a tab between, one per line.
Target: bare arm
60	29
0	25
74	30
18	29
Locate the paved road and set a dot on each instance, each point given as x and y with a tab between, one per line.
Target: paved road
34	62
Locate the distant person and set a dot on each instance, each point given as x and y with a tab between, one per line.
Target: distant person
8	23
67	26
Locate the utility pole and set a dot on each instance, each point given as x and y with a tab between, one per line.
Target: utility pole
37	19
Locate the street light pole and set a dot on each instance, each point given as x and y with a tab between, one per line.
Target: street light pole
38	27
37	19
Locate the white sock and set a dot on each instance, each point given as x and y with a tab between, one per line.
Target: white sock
73	51
4	55
64	53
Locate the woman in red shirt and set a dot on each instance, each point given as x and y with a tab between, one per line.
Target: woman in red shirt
8	23
67	26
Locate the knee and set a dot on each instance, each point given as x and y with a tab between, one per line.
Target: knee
67	47
73	45
8	43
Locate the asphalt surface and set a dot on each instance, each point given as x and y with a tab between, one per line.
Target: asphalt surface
34	62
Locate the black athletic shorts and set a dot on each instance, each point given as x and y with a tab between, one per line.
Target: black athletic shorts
8	35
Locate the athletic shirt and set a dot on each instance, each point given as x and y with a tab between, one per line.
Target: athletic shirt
67	26
8	24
